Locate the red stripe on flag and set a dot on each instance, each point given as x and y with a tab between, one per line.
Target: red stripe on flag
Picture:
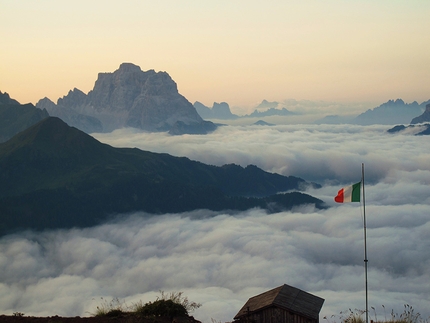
339	197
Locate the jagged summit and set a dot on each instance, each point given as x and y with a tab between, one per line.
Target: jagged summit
130	97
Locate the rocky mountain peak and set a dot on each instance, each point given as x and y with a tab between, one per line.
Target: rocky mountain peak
129	67
130	97
75	97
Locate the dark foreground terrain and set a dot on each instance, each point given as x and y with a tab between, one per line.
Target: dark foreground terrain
105	319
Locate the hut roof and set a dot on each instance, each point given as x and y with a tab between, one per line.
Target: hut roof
285	297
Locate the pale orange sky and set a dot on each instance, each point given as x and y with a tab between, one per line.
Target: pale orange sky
236	51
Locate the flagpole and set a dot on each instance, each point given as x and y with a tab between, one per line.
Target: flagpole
365	244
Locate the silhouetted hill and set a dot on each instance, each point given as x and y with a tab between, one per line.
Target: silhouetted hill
6	99
16	117
56	176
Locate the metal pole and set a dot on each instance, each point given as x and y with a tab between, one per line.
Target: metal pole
365	244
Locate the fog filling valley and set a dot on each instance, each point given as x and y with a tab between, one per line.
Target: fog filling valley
219	259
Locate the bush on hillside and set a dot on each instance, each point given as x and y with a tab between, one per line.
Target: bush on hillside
163	307
167	305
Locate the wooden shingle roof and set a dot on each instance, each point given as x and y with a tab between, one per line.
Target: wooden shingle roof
286	297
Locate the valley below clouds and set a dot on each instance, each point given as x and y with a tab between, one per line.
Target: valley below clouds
221	259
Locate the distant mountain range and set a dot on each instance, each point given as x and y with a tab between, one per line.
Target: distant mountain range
389	113
129	97
222	111
56	176
218	111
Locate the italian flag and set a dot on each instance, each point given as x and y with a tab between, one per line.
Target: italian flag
349	194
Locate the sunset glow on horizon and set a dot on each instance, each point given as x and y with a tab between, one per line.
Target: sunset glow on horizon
240	52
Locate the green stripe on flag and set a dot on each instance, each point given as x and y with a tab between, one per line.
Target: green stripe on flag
355	196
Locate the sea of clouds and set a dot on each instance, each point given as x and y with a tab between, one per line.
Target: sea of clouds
220	260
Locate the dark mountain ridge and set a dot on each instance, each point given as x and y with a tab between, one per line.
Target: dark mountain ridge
16	117
6	99
56	176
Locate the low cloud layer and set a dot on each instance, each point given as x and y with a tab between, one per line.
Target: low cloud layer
221	260
323	153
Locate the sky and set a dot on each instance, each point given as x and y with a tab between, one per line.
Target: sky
239	52
220	260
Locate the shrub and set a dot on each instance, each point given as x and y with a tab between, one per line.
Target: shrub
163	307
114	308
178	298
168	305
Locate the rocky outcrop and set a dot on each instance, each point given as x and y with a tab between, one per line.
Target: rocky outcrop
425	117
129	97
